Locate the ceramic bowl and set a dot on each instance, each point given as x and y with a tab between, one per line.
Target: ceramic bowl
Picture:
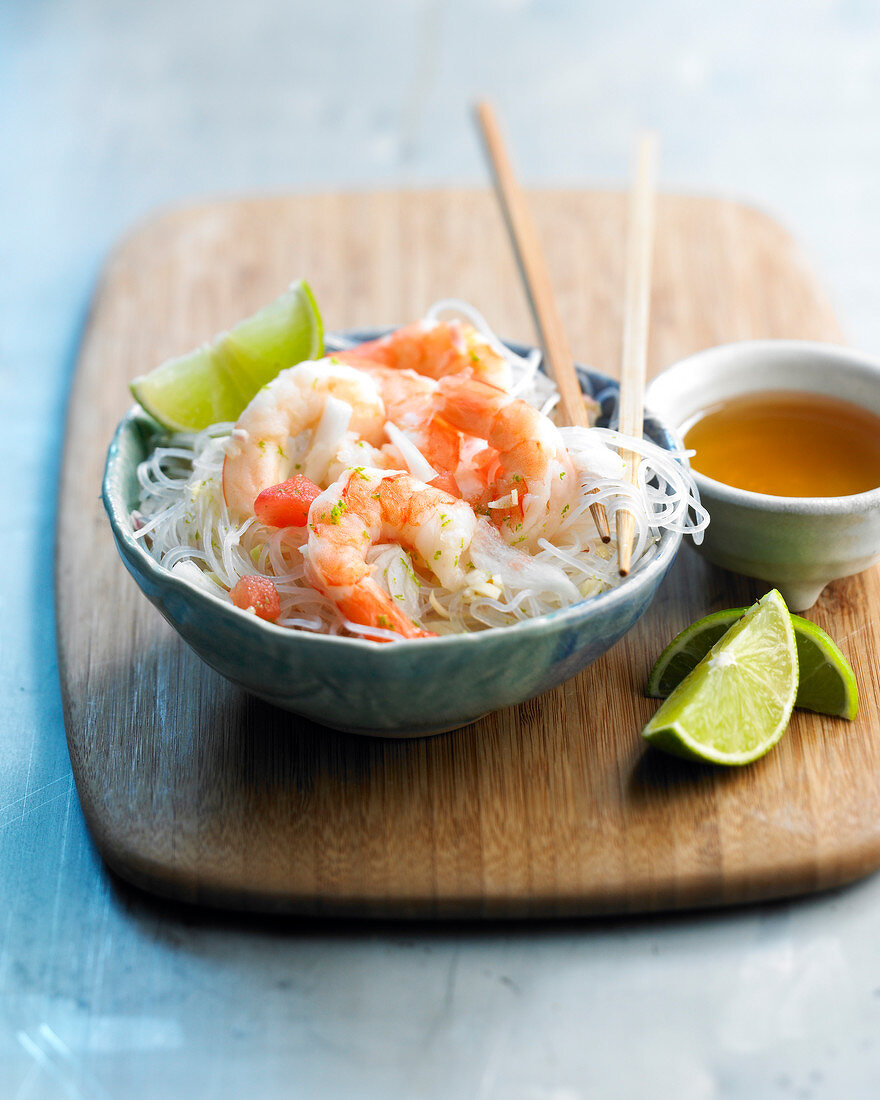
396	690
795	544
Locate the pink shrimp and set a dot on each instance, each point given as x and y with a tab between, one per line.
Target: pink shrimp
409	400
533	472
368	506
435	349
259	453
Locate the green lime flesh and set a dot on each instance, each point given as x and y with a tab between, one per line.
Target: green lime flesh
735	704
826	685
216	381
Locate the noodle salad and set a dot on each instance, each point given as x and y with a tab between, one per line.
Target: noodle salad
409	487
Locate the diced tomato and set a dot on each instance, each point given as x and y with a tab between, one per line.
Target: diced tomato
258	594
287	504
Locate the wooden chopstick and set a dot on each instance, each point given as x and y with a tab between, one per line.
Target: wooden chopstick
539	290
637	303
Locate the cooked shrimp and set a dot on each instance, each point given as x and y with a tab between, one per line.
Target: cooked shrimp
259	454
369	506
533	475
435	349
409	400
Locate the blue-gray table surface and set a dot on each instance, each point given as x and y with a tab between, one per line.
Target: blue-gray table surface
108	110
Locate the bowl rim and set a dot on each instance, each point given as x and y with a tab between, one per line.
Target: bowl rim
605	602
868	365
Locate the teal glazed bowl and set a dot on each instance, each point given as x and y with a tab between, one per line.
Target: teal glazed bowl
408	689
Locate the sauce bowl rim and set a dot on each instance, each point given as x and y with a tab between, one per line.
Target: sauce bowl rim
867	366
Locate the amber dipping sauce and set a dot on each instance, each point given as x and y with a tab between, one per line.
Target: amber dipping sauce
787	443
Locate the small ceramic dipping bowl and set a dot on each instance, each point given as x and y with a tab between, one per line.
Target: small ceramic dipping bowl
795	544
399	690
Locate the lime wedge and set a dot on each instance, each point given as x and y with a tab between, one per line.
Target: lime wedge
734	706
216	381
827	683
687	649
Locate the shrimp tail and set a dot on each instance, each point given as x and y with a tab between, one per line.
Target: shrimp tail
446	481
368	605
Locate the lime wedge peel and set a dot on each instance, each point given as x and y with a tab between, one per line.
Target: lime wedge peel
827	683
687	649
216	381
735	705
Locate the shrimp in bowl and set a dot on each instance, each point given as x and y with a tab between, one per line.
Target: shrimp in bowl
402	489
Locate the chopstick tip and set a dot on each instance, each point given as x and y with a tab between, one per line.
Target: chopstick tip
483	110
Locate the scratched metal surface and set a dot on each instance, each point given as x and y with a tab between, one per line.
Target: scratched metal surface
109	110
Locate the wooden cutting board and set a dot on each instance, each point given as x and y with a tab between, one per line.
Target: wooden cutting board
197	791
